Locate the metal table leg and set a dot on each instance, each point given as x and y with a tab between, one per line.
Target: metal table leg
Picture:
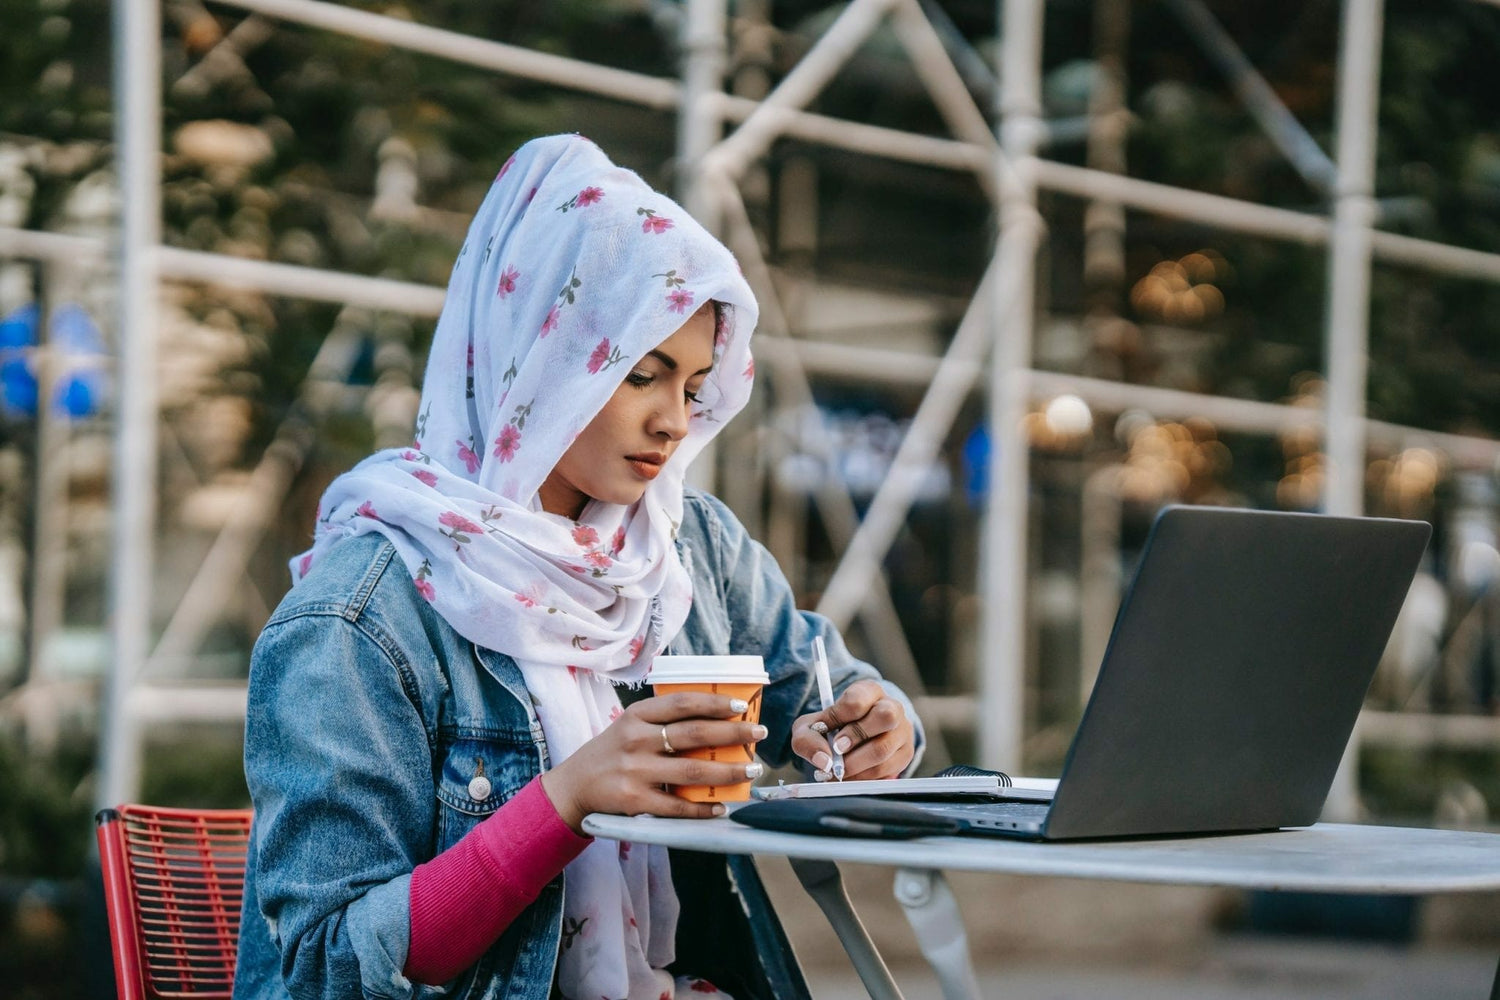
933	912
823	883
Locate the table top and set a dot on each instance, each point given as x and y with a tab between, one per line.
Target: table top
1327	857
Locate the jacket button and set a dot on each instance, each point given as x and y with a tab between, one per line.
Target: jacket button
479	788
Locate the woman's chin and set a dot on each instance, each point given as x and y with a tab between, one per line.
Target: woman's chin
624	494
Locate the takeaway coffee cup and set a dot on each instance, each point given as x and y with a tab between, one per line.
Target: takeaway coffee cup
734	676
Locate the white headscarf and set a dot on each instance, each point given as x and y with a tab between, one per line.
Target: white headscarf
572	271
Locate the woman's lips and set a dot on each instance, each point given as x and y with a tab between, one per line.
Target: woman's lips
645	466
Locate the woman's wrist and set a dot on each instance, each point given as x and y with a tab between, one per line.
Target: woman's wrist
559	792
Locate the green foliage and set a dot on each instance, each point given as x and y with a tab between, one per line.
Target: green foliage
45	809
1410	784
54	69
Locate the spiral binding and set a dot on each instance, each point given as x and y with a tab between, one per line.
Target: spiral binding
970	771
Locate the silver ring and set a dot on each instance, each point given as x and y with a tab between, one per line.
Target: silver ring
666	744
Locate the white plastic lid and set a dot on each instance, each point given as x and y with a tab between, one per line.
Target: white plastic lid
712	669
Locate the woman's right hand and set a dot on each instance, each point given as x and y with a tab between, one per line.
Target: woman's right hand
623	769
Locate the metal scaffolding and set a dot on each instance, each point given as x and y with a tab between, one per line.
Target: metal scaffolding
994	340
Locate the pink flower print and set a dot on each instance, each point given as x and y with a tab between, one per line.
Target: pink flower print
424	586
636	645
470	459
507	282
531	596
425	475
598	560
461	527
625	854
410	456
367	509
703	986
456	521
585	536
504	167
532	195
618	541
589	196
679	299
750	370
599	357
304	564
550	323
615	713
653	223
507	443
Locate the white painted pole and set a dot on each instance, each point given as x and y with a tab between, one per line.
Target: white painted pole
700	123
49	537
137	54
1347	333
699	128
1002	674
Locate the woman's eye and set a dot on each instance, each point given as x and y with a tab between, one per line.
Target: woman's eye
640	379
691	395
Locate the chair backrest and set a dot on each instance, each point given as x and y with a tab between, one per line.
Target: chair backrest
173	882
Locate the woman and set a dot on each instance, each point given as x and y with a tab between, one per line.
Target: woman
433	707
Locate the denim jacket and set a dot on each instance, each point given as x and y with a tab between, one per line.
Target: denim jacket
367	714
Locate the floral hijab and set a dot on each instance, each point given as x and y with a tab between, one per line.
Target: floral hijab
572	271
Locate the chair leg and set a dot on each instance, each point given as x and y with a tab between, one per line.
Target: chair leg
825	885
933	914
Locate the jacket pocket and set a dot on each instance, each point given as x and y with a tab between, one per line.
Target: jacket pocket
476	775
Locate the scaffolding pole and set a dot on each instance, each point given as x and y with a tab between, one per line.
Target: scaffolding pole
1002	645
137	55
1348	318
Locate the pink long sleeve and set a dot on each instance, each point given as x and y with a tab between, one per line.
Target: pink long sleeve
463	899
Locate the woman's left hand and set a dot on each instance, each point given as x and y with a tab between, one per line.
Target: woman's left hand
866	725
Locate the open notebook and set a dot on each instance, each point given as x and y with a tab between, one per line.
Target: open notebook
959	782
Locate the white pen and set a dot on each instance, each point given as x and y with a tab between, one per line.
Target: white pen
825	692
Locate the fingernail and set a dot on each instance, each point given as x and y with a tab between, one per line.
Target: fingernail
821	761
739	705
820	775
754	770
719	810
758	732
819	727
842	744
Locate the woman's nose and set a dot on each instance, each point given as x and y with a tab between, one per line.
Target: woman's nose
672	422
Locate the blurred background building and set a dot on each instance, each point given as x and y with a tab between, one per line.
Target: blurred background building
1219	253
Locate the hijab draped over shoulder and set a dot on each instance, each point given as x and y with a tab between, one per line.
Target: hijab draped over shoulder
573	269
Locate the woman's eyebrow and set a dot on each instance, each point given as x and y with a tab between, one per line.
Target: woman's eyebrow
671	362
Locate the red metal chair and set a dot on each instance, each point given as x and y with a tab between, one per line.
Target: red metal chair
173	882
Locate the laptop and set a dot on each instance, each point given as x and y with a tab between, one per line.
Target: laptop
1234	675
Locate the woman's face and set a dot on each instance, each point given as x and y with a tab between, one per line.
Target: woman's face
624	447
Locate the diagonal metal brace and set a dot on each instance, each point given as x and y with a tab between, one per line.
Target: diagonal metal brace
825	885
933	913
